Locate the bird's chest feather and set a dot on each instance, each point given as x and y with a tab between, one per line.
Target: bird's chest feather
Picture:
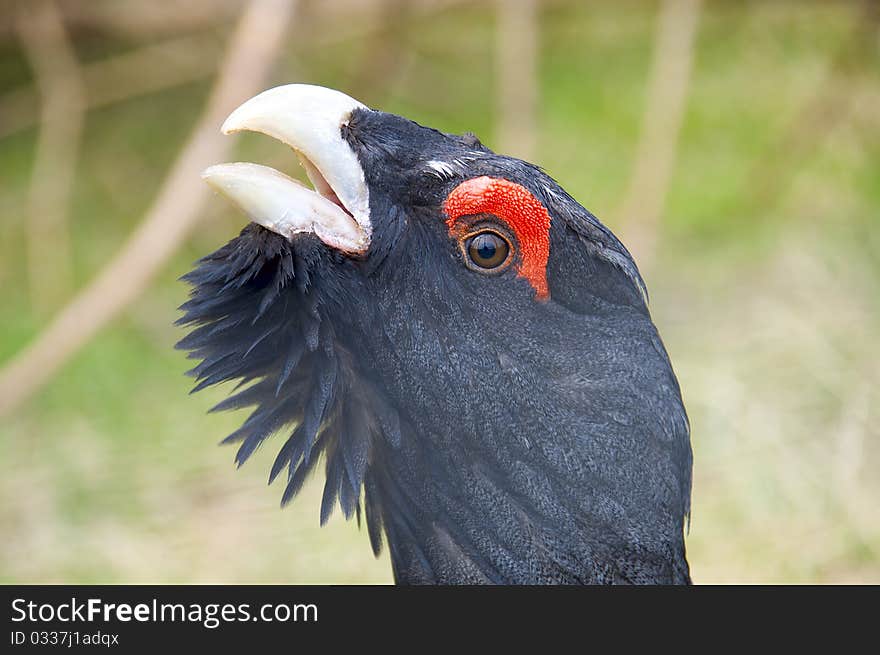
528	440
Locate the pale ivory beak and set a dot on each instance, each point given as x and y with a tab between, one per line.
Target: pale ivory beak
309	119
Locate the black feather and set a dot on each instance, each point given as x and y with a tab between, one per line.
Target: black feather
256	318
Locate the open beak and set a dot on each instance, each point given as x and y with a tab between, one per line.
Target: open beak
310	120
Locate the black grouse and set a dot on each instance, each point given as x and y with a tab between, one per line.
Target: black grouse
464	347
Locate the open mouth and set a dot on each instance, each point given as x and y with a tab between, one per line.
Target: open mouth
309	119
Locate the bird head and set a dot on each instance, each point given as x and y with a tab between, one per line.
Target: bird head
465	347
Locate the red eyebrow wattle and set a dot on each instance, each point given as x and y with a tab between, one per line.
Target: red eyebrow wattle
523	213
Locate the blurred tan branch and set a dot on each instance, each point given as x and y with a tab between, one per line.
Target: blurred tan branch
517	71
144	70
256	43
139	19
181	60
666	99
57	75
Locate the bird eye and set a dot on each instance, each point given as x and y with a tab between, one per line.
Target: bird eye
487	250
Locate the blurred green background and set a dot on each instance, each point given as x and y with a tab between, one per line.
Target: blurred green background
763	263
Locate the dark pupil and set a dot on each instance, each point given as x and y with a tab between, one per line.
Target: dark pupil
488	250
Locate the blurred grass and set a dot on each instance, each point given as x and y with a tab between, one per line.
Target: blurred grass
769	301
